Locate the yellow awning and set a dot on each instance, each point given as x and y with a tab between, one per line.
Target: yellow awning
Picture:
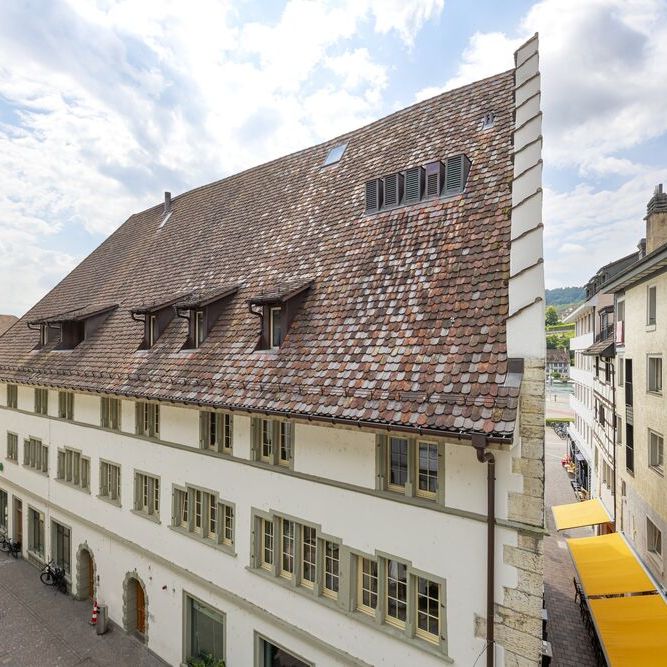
575	515
606	565
633	631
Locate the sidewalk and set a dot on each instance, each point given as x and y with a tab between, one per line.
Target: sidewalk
569	640
40	626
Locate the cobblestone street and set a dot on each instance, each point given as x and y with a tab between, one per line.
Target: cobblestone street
569	639
40	627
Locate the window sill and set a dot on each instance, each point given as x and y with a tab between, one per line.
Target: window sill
658	471
650	327
14	461
39	472
357	615
110	501
71	485
220	546
656	560
151	517
654	392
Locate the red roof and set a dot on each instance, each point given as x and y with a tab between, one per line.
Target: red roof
403	325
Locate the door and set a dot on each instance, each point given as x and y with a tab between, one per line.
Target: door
141	608
18	520
91	574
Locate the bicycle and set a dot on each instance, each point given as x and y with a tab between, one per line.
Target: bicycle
11	546
52	575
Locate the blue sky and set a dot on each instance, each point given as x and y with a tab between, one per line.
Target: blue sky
104	105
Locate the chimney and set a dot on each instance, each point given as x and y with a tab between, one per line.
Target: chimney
641	247
167	203
656	220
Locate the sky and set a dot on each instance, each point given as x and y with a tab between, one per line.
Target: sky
105	105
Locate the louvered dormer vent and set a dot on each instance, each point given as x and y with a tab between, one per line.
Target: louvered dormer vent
457	174
393	190
414	184
373	195
435	177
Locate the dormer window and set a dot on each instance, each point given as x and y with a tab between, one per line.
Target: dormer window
276	309
71	327
201	309
155	317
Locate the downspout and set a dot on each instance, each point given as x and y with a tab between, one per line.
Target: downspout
480	443
613	444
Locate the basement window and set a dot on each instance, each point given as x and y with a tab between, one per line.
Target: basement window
334	155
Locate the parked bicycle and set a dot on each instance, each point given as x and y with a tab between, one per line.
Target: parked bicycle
52	575
8	545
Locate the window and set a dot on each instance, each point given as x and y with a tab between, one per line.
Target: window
66	405
308	556
200	328
427	469
206	632
12	396
36	455
36	532
151	323
73	468
4	510
147	494
411	467
41	401
651	305
110	413
110	481
275	326
653	539
428	610
287	549
266	555
334	154
397	593
655	374
181	517
621	374
397	462
270	655
656	452
62	546
215	431
148	419
12	447
202	513
331	569
274	441
619	430
367	588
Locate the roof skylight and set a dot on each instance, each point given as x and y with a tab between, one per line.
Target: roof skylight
335	154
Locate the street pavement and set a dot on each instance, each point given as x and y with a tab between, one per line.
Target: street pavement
41	627
569	640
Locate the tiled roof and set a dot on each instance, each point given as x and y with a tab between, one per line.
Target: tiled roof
603	348
76	314
403	326
558	356
7	321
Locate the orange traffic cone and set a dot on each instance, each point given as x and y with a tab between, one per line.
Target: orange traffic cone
93	620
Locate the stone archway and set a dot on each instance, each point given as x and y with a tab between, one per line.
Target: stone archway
135	606
86	573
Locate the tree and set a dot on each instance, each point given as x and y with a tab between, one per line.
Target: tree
551	316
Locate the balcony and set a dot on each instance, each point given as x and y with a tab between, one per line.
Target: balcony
581	342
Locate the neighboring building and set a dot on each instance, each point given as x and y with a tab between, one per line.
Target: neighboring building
592	399
7	321
641	346
261	419
558	361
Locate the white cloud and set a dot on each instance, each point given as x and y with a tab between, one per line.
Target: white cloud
113	102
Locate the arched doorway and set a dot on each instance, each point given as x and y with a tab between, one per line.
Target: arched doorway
135	606
85	574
